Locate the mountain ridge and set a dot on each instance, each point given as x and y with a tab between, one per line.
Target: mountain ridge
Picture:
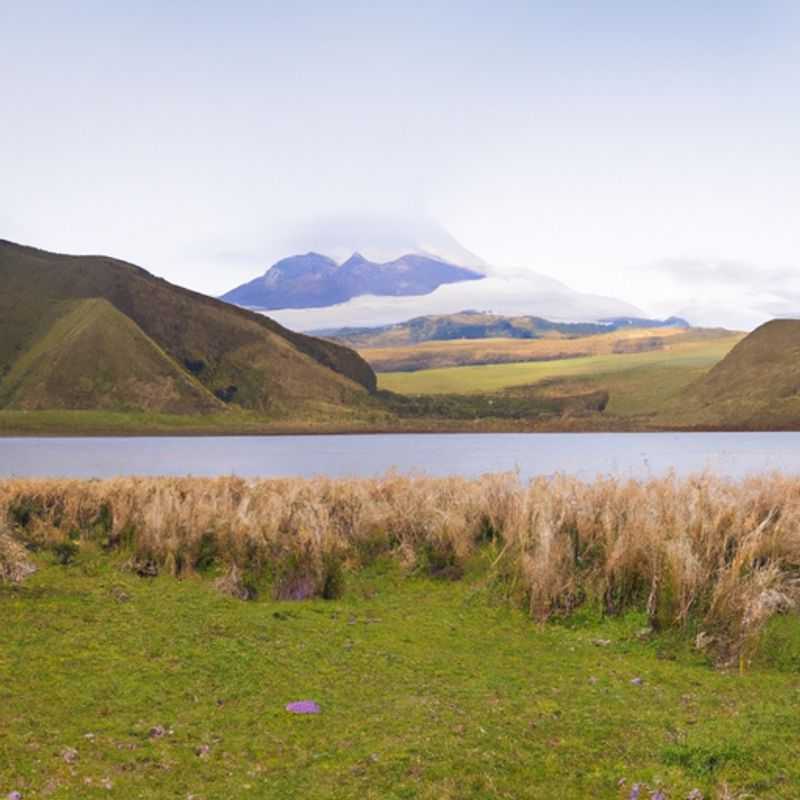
471	324
313	280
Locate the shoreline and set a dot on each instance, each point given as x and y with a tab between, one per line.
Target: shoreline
299	430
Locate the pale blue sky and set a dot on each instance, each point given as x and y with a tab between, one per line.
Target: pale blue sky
590	141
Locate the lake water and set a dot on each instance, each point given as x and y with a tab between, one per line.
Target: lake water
584	455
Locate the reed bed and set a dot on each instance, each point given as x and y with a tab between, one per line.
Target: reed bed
711	556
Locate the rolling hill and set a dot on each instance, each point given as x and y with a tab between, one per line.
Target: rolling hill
316	281
95	332
485	325
756	385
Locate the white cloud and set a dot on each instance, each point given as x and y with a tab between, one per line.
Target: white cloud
728	293
535	295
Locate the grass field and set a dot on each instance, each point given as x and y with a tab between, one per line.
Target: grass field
480	639
231	422
637	382
428	689
465	352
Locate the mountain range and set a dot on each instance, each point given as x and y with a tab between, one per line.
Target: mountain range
92	332
483	325
317	281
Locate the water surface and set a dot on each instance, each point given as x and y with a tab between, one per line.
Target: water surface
584	455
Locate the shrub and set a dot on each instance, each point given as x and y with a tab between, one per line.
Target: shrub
65	552
15	564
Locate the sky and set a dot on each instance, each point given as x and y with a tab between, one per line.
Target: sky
646	151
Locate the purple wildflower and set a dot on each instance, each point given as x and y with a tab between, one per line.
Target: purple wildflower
303	707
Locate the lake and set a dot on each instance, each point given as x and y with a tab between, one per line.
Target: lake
585	455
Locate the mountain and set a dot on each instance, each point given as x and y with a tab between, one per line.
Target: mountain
96	332
757	385
483	325
316	281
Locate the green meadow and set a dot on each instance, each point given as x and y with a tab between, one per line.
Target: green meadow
649	375
112	685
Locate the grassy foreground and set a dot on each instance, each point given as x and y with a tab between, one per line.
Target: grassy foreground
113	685
464	638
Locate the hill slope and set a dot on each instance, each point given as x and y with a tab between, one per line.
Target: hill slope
95	357
237	355
757	385
316	281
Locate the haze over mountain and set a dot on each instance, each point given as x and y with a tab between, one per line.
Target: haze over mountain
378	237
313	280
92	332
532	294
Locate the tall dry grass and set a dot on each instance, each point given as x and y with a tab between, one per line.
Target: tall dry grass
722	555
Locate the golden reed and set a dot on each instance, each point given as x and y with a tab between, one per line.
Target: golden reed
721	555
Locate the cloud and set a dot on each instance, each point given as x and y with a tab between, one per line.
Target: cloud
728	273
729	293
534	295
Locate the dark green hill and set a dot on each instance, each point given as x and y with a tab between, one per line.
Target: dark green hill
757	385
94	357
218	350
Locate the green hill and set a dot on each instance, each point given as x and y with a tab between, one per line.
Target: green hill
144	343
95	357
756	386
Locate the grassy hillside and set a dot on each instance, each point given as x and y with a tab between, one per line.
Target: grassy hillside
439	673
465	352
94	357
239	356
757	385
